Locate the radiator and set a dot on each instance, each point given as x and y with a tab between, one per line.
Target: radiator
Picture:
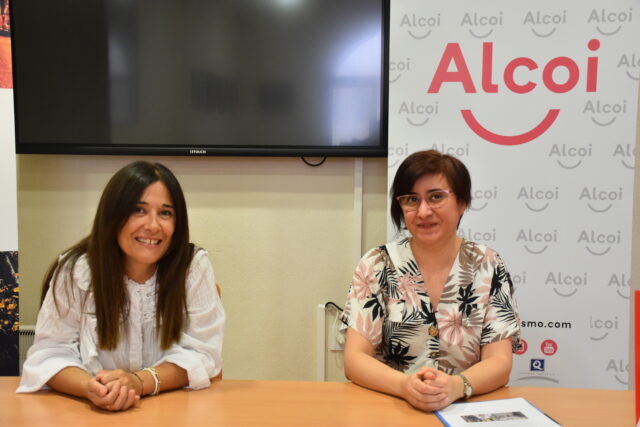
26	335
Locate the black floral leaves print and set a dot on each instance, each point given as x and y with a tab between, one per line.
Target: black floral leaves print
397	356
467	300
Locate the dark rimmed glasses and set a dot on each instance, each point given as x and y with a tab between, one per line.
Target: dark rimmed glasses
435	199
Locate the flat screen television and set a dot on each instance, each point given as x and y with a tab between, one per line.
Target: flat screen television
201	77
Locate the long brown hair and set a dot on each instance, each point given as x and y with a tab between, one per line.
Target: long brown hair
106	259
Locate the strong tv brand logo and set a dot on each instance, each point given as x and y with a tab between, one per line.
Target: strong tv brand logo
459	73
541	21
418	26
566	285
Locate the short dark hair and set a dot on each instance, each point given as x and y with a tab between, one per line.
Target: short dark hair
106	259
429	162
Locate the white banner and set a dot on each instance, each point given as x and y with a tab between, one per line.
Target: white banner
539	100
9	211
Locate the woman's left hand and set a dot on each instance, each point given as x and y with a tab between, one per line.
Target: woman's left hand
124	378
439	383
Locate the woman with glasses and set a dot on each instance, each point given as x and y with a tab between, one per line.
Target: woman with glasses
132	309
430	318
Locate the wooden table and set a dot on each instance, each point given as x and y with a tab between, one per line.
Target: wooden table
292	403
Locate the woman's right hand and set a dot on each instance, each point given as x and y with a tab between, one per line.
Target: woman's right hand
111	397
420	395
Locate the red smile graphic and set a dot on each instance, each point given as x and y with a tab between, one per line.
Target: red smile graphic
495	138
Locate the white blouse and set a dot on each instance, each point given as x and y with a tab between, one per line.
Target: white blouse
68	336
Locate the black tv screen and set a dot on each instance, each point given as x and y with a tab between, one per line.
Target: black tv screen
201	77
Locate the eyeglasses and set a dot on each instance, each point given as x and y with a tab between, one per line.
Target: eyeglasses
435	199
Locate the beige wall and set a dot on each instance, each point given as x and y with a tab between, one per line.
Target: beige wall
279	233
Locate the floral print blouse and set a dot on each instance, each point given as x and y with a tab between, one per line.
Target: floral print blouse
388	305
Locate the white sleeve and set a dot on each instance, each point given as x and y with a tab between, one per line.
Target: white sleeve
199	351
56	342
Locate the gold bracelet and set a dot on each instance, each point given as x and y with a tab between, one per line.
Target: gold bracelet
156	379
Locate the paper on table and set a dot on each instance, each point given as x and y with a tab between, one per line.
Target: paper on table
502	412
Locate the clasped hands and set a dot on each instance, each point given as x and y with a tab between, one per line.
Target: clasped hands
115	390
430	389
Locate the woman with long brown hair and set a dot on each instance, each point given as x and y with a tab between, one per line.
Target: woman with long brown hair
132	309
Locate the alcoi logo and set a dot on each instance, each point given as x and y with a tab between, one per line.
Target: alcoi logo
481	197
418	26
453	59
396	154
483	236
397	68
536	242
627	153
598	199
630	63
569	156
619	369
609	22
481	26
600	327
456	151
418	114
621	283
544	24
519	279
536	199
604	113
599	244
566	285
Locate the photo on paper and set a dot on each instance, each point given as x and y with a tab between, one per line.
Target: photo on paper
9	321
6	76
498	416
